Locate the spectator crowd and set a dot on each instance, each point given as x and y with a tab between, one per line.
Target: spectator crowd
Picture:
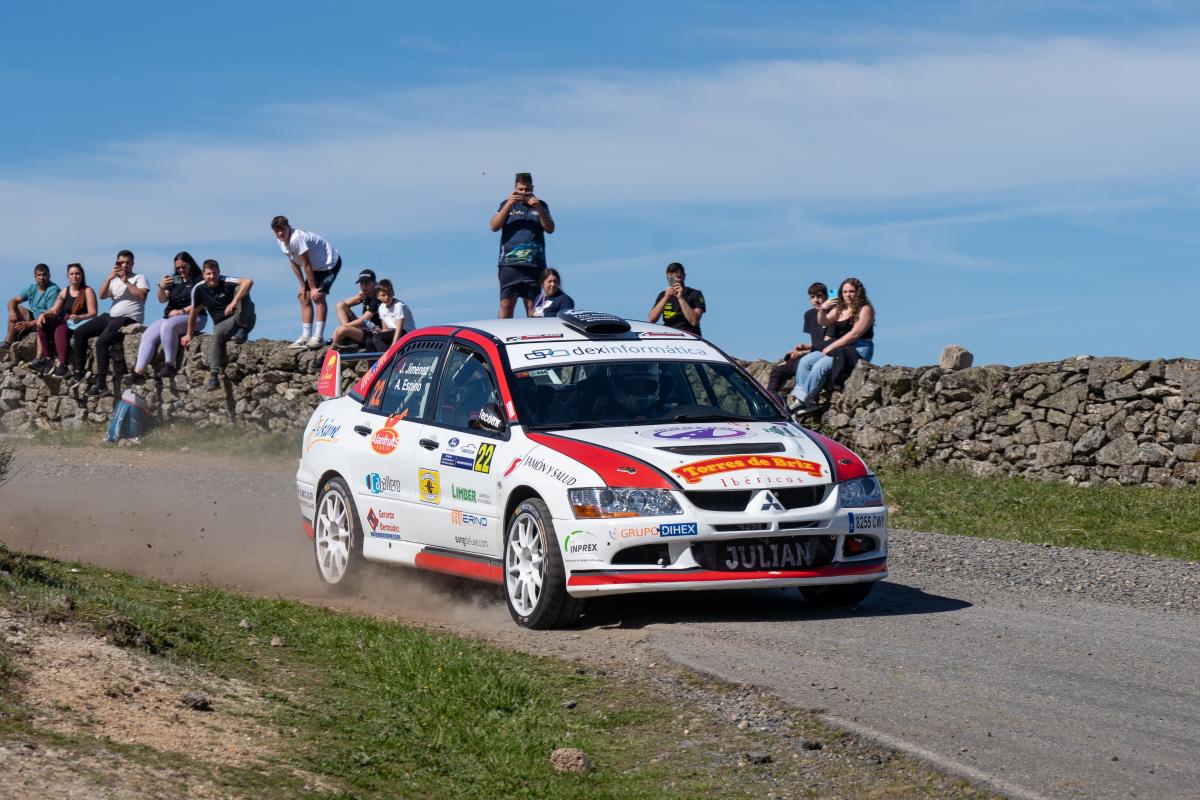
840	327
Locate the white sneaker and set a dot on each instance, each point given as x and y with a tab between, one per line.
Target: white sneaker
299	344
315	343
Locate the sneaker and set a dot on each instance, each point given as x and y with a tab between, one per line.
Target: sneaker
99	389
166	371
59	371
39	364
315	343
135	378
299	344
78	379
213	382
240	335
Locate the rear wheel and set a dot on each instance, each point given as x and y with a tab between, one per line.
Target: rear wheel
337	536
535	581
842	595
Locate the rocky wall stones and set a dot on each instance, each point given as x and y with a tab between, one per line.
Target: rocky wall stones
1083	420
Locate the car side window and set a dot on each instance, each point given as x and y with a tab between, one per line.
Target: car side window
405	389
467	386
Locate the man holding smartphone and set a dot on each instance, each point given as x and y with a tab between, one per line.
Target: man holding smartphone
523	221
818	334
679	306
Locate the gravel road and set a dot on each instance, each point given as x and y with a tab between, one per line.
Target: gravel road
1040	671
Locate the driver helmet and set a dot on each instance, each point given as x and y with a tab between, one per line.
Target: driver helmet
635	386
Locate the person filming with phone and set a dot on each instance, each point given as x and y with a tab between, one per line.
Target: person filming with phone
679	306
849	318
523	220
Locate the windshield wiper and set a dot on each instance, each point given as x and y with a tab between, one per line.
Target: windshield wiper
712	418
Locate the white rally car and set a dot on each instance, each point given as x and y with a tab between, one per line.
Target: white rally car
578	456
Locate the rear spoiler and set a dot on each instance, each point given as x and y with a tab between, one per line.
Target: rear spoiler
329	383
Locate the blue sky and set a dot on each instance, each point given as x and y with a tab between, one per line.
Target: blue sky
1019	178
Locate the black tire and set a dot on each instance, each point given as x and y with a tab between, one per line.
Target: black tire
337	537
841	595
552	607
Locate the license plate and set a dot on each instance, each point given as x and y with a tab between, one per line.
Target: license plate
787	554
862	523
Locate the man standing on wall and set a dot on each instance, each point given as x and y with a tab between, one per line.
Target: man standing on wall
523	221
679	306
315	263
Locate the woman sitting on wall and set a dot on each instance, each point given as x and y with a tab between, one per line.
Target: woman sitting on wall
176	291
850	318
75	305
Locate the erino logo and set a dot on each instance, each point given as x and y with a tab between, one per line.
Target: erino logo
386	439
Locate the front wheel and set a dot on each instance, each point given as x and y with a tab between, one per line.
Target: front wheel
535	581
842	595
337	536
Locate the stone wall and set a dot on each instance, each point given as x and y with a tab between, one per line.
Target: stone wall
265	386
1095	420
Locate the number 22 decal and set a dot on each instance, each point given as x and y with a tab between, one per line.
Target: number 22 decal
483	459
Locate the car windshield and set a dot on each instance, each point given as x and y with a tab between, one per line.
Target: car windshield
604	394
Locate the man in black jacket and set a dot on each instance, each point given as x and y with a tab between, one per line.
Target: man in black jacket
227	302
818	335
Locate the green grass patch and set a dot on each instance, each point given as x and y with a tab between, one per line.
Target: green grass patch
377	709
222	440
1134	519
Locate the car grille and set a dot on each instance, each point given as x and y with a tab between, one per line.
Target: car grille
738	499
748	554
724	449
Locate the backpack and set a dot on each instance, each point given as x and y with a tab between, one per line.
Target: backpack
129	416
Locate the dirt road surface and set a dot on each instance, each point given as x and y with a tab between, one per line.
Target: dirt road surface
1039	692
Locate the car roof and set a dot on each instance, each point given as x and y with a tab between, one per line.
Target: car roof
511	331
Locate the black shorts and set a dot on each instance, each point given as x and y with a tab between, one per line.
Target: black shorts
520	282
326	277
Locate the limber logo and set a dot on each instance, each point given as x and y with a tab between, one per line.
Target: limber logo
697	471
459	493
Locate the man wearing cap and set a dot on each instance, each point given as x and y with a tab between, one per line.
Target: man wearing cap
351	326
315	263
523	221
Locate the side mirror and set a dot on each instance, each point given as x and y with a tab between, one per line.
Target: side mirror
489	419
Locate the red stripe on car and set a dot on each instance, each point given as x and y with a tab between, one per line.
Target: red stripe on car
462	567
845	462
711	576
493	353
308	530
614	468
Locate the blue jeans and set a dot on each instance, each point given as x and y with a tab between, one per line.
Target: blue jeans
813	369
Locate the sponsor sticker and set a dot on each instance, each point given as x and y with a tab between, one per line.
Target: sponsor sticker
324	429
666	529
458	462
331	370
678	529
534	337
516	462
460	493
383	484
596	351
383	524
545	468
385	440
780	430
430	484
698	470
470	541
703	432
483	459
453	442
470	520
580	546
858	523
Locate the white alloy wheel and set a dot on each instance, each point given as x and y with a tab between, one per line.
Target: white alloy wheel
535	581
525	563
337	538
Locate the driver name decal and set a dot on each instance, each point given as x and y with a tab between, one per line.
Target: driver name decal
698	470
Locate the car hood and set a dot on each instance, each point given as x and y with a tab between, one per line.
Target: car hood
719	456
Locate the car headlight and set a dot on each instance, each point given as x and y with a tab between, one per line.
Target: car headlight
606	503
860	492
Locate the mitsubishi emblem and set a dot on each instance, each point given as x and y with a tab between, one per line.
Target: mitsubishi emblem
771	502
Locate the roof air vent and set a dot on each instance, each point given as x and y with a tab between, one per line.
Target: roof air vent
594	323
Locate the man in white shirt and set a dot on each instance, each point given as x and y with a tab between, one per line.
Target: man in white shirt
315	263
128	293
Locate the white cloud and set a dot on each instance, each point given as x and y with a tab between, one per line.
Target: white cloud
1010	122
